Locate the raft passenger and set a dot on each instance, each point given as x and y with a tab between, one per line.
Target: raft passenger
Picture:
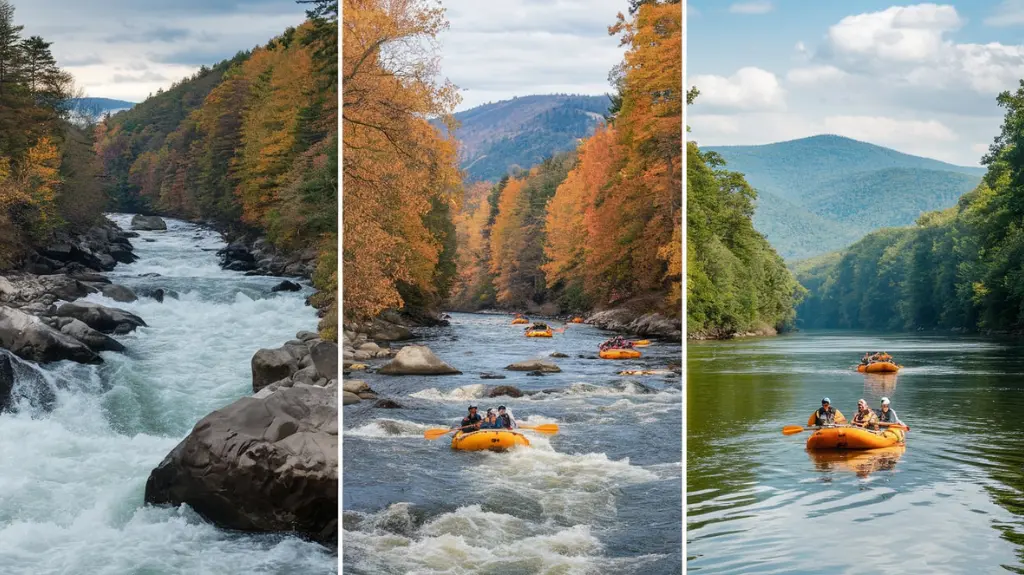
505	418
865	417
491	422
827	415
471	421
887	415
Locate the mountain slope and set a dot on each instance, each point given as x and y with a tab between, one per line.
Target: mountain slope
821	193
523	131
101	105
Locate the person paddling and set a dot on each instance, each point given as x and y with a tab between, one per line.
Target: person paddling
471	421
827	415
887	414
865	417
491	422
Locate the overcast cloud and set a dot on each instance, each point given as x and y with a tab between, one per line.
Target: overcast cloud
127	49
496	50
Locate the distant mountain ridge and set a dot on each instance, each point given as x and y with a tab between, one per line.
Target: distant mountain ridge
101	105
499	136
822	193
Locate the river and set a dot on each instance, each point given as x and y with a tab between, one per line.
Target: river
604	495
950	502
72	479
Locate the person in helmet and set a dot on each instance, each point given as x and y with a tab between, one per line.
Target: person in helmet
827	415
887	414
472	420
865	416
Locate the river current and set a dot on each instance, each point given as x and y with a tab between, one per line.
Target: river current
72	478
604	495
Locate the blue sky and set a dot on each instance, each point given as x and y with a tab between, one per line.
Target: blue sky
918	77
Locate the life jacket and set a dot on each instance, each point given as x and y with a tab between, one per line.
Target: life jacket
505	421
866	418
821	416
470	420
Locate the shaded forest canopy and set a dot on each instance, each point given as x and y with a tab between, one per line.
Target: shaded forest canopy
248	143
959	268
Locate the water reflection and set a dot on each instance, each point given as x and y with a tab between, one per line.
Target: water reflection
862	463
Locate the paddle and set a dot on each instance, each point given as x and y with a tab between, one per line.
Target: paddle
794	429
543	428
438	432
902	426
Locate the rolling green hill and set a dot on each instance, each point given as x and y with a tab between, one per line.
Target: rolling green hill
822	193
521	132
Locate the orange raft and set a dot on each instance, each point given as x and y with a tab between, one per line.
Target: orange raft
520	321
854	438
879	367
487	439
539	333
620	354
577	320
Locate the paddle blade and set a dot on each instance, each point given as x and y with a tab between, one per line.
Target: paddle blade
792	429
436	433
543	428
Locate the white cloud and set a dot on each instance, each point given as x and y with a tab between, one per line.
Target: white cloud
883	130
494	51
1009	13
755	7
812	75
900	33
748	89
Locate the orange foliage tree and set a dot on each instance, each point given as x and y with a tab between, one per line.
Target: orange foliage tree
396	166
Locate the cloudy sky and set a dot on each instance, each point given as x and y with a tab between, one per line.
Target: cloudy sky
496	50
126	49
920	78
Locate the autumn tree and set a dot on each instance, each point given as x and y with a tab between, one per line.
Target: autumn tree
397	168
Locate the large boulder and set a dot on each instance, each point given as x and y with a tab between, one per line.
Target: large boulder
325	358
90	337
119	293
270	365
386	331
417	360
148	223
29	338
260	465
534	365
101	318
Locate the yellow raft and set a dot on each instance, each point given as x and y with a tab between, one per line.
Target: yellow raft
520	321
577	320
620	354
854	438
879	367
544	333
642	343
488	439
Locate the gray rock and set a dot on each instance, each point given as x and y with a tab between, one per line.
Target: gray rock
370	347
559	354
270	365
534	365
506	390
355	386
349	398
489	375
362	355
286	286
119	293
386	331
325	358
259	465
101	318
306	335
417	360
387	404
148	223
95	340
6	383
29	338
305	375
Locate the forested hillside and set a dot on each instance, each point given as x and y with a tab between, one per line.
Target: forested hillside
250	143
958	268
516	134
601	227
736	282
822	193
48	174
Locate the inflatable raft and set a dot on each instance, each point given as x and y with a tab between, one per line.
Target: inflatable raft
854	438
620	354
879	367
520	321
488	439
539	333
642	343
577	320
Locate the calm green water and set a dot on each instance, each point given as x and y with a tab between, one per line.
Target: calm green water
951	502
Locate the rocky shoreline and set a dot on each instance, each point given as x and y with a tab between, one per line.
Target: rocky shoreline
265	463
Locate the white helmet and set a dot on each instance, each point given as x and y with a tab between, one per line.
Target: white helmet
885	401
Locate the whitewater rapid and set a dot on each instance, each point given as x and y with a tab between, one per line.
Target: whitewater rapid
72	479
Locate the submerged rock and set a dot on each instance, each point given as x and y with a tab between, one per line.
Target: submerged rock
506	390
286	286
417	360
27	337
148	223
90	337
535	365
119	293
260	465
6	383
